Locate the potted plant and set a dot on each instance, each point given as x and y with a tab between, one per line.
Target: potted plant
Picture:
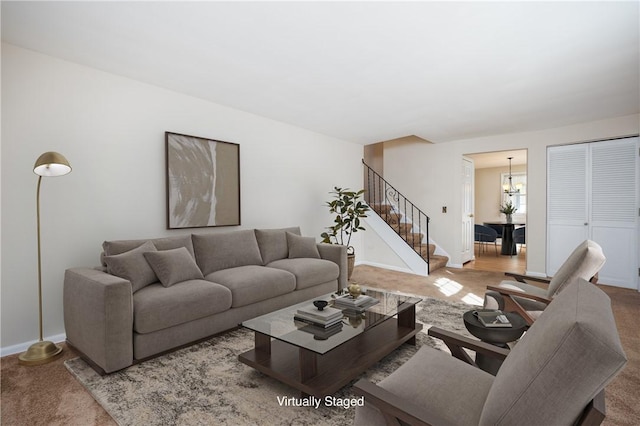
349	209
508	209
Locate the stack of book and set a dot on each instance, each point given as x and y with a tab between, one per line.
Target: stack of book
326	318
351	306
320	333
492	319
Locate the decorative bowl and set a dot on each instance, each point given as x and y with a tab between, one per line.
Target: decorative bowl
320	304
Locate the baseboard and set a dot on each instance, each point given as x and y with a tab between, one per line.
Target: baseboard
22	347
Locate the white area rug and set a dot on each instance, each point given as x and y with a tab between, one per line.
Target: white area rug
205	384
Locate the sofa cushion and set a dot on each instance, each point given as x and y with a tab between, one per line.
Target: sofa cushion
300	247
251	284
156	307
273	243
215	252
120	246
132	265
308	272
173	266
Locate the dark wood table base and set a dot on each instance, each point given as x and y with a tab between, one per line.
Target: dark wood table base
321	375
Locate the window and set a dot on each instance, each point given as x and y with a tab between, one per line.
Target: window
519	182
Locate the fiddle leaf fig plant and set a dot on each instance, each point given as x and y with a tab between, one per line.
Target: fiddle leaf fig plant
349	209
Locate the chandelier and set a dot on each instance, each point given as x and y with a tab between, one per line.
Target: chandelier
509	189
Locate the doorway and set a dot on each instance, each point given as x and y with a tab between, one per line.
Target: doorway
500	177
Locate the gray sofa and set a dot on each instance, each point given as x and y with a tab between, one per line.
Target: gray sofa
150	296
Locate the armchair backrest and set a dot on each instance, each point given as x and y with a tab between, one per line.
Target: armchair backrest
568	355
585	261
519	235
484	233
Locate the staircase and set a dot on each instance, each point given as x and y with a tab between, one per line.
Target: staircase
408	222
414	239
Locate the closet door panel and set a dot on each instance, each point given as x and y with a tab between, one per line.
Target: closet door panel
619	247
592	193
567	202
562	240
614	209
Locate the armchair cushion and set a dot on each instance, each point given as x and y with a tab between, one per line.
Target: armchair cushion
493	300
584	262
454	391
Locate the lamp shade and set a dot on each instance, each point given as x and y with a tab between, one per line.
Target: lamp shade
51	164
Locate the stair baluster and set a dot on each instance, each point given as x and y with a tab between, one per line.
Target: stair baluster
400	214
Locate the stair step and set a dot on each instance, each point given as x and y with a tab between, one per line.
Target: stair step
423	249
391	218
382	208
431	248
437	262
413	238
401	227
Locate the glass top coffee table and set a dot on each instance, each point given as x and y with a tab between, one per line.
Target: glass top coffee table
317	363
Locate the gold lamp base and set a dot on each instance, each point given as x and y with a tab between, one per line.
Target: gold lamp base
40	353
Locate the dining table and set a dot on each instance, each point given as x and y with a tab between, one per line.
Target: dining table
508	246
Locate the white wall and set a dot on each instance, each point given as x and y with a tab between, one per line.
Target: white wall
488	193
111	129
431	176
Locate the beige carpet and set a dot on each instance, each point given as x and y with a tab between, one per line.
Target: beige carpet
205	383
50	395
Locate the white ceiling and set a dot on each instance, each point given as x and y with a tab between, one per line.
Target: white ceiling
362	71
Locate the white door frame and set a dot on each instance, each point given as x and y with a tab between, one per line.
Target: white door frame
468	207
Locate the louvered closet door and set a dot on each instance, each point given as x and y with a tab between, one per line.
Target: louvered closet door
567	205
614	209
592	192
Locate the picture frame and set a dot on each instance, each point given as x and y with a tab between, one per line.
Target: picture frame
203	182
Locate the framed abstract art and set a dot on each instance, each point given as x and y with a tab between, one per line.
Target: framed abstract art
203	182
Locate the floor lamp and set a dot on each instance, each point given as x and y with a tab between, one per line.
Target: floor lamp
48	164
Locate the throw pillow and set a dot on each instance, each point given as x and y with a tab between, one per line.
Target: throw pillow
273	243
173	266
132	266
302	247
111	248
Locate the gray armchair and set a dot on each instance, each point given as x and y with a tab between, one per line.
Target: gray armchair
555	374
529	300
484	235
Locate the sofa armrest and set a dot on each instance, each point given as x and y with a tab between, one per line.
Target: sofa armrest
98	317
337	254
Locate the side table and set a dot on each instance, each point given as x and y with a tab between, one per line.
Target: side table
498	336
